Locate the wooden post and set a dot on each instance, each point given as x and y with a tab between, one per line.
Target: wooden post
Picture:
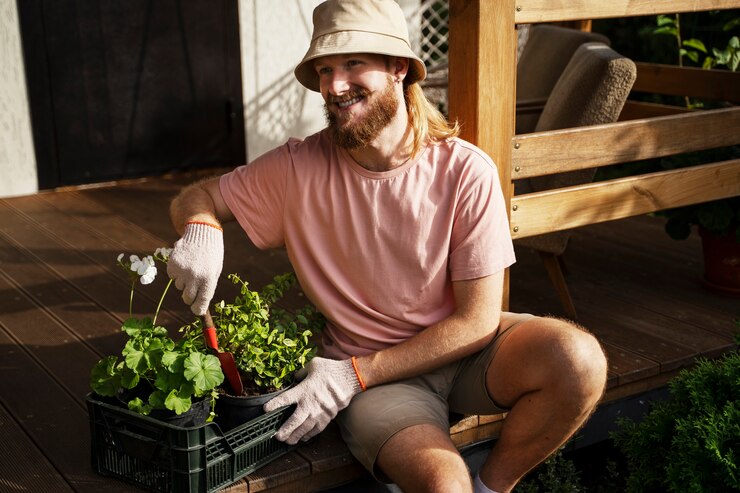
482	81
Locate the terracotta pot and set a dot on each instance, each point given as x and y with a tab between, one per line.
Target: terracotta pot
233	411
721	262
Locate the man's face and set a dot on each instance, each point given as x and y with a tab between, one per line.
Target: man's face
360	97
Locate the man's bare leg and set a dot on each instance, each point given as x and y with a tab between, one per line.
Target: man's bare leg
423	459
552	375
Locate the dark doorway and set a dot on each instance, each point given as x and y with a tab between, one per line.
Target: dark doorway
127	88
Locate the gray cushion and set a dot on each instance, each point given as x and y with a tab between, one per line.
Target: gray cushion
543	59
592	90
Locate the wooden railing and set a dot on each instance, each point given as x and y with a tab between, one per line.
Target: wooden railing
482	85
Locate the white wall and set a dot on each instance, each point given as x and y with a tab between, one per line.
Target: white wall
274	37
17	158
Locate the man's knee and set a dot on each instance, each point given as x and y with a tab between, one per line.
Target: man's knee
551	354
579	360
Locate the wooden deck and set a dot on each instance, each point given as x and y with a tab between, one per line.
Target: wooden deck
63	298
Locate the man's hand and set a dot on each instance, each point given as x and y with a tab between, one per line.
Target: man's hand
328	387
196	263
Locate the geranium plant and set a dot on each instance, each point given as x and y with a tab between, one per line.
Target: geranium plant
165	374
269	343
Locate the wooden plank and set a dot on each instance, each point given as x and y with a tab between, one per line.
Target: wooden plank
556	151
41	318
536	11
482	85
327	451
608	256
627	366
566	208
22	466
329	464
53	419
635	110
102	284
286	469
719	85
483	432
85	257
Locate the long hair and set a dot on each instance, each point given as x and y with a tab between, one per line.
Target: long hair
426	120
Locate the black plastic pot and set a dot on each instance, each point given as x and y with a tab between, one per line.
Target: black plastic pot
233	411
195	416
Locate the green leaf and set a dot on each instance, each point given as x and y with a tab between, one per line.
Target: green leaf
693	55
177	402
133	327
173	361
731	24
129	379
167	380
156	399
664	20
723	57
669	30
136	359
204	371
137	405
160	332
696	44
104	380
290	342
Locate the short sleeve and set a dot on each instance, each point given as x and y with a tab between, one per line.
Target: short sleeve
255	194
481	242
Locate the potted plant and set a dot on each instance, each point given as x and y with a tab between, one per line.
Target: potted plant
718	225
269	344
156	375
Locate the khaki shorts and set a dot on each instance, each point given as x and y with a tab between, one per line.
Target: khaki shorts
377	414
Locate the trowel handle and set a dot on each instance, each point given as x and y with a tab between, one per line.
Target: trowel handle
209	331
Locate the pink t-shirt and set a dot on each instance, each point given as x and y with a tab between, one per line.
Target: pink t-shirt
375	251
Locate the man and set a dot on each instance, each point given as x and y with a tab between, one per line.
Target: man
398	233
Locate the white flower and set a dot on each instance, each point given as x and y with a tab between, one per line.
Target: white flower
163	253
145	268
120	256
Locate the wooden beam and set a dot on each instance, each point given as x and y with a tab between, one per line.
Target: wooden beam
719	85
634	110
555	210
536	11
556	151
482	80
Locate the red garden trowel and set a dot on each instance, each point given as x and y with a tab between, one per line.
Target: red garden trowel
228	365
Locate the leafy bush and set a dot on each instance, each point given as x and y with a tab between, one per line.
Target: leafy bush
269	343
556	475
159	372
167	373
691	441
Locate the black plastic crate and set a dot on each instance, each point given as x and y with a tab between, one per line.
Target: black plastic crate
165	458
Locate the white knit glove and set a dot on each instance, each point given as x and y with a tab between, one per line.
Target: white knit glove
195	264
328	388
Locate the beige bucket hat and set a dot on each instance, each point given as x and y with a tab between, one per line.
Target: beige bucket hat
358	26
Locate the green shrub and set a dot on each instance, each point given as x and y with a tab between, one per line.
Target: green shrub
691	441
556	475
